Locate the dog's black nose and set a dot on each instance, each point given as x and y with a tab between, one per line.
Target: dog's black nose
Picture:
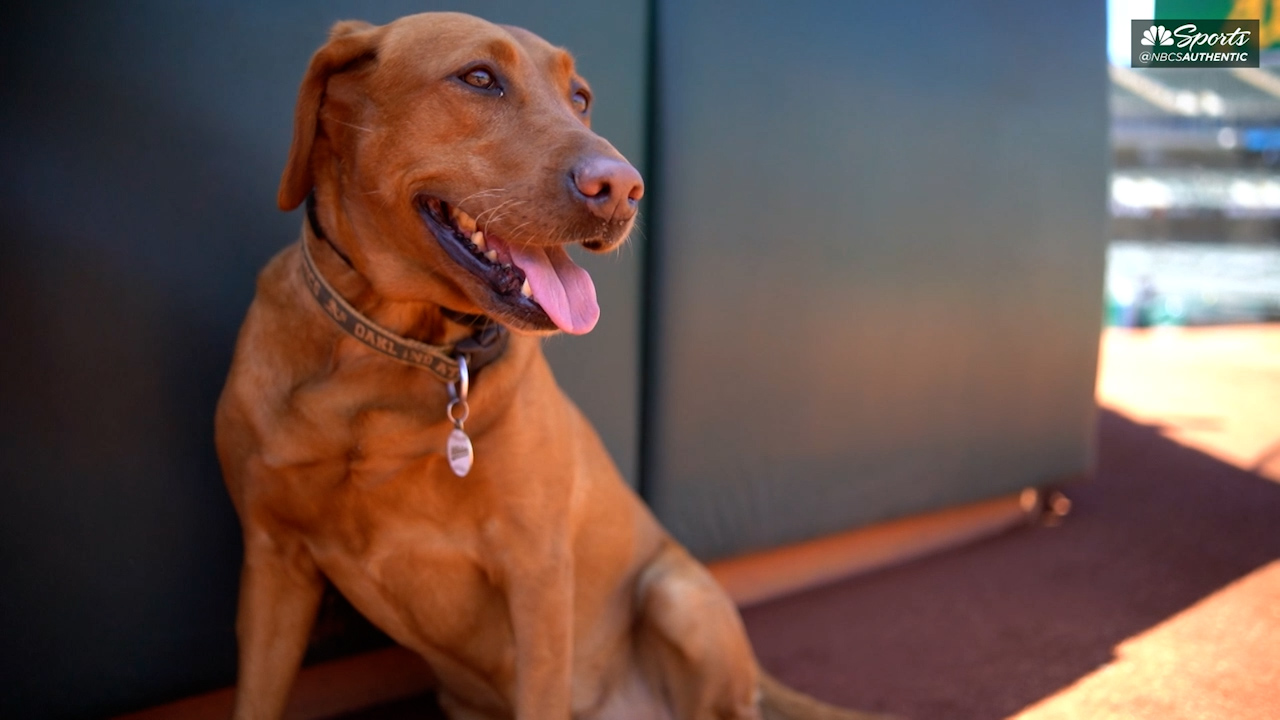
610	187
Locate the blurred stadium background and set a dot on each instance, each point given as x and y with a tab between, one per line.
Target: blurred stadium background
1195	182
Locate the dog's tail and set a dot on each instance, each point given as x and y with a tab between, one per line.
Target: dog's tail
779	702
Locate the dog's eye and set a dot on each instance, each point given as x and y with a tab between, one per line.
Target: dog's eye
581	100
482	78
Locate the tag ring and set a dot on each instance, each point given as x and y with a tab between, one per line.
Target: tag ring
458	394
466	412
459	390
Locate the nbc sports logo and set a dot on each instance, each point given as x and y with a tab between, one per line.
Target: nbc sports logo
1156	35
1170	43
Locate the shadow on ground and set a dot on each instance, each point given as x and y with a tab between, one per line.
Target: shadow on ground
987	630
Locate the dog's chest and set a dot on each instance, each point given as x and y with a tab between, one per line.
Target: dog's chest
418	550
386	519
385	439
368	425
405	541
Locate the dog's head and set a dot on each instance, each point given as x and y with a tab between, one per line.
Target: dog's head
453	162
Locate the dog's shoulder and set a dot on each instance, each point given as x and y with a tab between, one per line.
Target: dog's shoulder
271	351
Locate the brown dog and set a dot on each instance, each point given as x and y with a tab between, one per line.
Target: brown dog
449	162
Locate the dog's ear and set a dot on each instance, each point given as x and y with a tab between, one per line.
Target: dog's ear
349	41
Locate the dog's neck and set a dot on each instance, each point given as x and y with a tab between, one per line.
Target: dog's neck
421	321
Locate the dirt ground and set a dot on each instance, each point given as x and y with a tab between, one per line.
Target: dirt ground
1216	390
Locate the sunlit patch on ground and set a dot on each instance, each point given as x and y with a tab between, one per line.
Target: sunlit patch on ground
1219	658
1216	389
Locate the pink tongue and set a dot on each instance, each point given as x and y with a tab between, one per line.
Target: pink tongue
562	288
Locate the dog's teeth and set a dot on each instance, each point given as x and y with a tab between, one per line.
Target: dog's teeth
525	290
477	238
492	255
465	222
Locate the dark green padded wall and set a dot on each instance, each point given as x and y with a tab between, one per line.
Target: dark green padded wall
143	142
878	288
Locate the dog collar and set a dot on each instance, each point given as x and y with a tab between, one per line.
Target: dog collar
483	347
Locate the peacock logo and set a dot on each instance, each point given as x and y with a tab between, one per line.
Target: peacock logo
1156	35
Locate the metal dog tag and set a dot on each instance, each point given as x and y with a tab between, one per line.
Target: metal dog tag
458	448
459	451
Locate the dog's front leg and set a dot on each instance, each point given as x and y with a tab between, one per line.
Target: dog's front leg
541	600
280	590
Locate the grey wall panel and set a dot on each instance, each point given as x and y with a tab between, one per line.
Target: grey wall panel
879	279
143	142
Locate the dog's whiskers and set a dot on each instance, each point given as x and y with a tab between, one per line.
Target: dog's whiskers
356	127
480	193
493	213
515	232
497	191
495	209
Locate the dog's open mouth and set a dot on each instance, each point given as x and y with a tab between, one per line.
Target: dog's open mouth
534	283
